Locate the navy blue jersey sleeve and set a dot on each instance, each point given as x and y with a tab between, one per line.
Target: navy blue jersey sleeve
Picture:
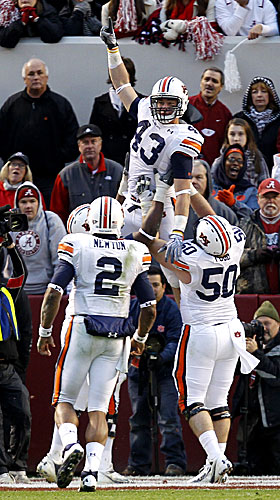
63	274
143	289
133	110
181	165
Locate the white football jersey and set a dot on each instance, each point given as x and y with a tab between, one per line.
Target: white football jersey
209	298
104	273
154	143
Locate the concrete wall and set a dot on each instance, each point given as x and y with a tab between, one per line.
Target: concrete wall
78	67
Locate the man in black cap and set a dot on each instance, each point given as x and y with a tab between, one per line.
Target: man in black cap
263	419
89	177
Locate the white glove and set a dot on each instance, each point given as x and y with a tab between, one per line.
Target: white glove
108	36
144	193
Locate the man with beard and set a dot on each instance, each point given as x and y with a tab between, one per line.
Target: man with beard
260	260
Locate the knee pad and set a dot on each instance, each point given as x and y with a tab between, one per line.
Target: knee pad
220	413
194	409
112	424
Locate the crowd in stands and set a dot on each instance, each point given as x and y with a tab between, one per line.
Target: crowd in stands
52	164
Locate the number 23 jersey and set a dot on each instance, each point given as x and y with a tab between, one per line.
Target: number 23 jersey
105	270
154	144
209	298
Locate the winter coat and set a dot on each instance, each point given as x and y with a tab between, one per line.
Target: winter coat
268	141
253	276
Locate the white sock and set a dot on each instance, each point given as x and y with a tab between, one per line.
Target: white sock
222	447
209	442
106	459
56	446
94	452
68	434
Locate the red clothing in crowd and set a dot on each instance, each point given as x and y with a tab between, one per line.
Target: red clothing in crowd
212	127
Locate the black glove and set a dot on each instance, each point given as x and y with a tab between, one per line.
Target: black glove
263	255
108	36
7	241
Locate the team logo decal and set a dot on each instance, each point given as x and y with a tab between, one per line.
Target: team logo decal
204	240
28	242
237	334
161	328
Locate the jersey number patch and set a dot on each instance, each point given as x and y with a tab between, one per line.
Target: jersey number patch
220	287
154	146
109	275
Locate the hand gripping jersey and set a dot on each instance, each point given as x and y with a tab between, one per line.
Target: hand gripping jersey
104	273
209	298
154	144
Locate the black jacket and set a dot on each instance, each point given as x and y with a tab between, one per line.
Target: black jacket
117	132
43	128
48	27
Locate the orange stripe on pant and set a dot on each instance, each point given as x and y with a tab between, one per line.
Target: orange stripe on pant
60	363
181	369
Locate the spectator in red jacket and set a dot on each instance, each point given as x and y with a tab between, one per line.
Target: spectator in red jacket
215	114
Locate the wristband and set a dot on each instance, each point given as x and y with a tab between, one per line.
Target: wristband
146	234
56	287
45	332
180	222
184	191
139	338
114	58
119	89
193	190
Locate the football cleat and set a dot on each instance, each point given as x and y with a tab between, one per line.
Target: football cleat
111	476
204	475
47	469
72	455
88	481
220	467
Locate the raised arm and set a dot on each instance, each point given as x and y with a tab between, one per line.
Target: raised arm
117	69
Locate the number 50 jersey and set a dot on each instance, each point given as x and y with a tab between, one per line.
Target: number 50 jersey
105	271
154	144
209	298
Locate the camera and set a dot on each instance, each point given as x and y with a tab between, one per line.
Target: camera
12	220
255	327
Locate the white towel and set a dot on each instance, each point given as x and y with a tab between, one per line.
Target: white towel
237	333
122	365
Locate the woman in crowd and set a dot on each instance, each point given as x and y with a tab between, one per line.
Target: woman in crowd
261	109
28	18
238	131
14	173
230	185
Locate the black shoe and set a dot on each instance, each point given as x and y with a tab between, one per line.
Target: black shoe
131	471
72	456
174	470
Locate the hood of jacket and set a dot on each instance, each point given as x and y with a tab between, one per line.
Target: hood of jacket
31	185
269	83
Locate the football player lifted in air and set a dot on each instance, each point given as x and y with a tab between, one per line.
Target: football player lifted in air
160	141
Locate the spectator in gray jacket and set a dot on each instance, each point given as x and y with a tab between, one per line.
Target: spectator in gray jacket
202	181
87	178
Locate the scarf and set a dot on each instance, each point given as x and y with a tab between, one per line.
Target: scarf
182	11
126	16
11	187
8	13
261	118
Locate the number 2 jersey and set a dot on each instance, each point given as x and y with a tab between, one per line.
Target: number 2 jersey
105	271
209	298
155	143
